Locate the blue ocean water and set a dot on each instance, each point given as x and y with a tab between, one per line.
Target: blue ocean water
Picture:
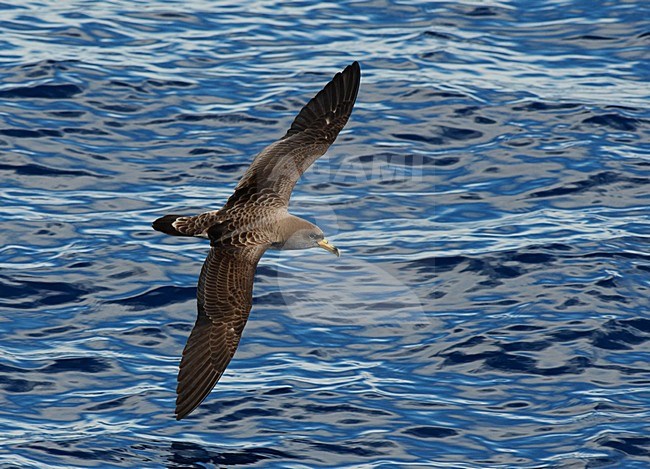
490	197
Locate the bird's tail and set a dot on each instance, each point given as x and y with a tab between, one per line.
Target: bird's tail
166	225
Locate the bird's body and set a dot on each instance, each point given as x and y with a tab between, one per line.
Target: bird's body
255	218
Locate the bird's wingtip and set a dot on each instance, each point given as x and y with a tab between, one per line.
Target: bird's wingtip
354	67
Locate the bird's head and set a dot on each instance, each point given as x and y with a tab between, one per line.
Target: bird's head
304	235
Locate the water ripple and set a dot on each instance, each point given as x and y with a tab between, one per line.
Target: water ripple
489	196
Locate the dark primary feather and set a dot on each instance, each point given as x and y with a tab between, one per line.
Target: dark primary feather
225	297
275	171
164	225
178	225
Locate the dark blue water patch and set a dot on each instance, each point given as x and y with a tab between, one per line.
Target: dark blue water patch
279	391
420	138
601	179
511	405
182	327
8	6
52	331
112	404
186	454
28	133
633	445
209	151
145	331
131	86
21	385
74	449
444	136
484	120
640	324
219	168
63	91
516	143
237	118
621	334
436	264
161	296
30	294
216	409
532	258
169	83
48	67
470	196
459	134
429	95
351	447
250	413
11	369
115	108
93	34
524	328
615	121
68	114
570	303
84	131
503	356
147	336
514	363
168	179
398	159
486	265
81	364
427	432
590	37
605	298
536	106
277	298
10	382
467	111
32	169
331	409
440	35
494	269
482	11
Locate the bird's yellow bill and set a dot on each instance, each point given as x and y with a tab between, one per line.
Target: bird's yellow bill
329	247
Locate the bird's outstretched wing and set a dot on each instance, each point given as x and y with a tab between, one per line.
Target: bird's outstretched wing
271	177
224	297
